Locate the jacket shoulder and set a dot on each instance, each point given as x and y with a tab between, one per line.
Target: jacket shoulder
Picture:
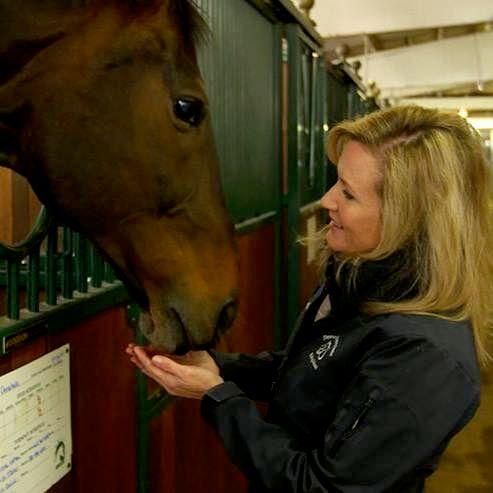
425	336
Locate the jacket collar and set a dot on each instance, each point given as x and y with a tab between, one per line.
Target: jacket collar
390	279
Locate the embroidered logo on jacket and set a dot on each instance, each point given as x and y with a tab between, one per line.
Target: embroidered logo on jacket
327	348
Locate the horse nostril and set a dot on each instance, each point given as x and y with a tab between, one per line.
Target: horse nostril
226	316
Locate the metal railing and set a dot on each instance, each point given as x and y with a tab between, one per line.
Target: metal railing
52	279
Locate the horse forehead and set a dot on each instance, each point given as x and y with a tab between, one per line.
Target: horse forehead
28	20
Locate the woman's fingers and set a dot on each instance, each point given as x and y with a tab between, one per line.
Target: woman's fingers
158	373
178	375
168	365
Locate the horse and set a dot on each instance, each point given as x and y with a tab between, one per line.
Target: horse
103	110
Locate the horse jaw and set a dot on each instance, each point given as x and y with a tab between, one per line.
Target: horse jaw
188	299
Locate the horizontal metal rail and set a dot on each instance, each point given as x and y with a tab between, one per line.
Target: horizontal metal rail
52	279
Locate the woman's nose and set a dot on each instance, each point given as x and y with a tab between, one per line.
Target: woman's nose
327	201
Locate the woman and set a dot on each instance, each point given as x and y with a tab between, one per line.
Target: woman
381	370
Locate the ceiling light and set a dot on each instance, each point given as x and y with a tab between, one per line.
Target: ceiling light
481	123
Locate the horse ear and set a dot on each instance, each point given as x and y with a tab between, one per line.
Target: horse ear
11	124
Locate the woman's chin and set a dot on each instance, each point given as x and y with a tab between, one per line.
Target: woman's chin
333	243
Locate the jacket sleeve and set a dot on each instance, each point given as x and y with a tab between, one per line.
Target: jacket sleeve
379	435
253	374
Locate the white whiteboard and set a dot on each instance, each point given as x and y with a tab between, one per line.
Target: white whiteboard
35	428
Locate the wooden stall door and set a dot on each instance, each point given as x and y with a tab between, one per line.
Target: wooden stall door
102	402
103	405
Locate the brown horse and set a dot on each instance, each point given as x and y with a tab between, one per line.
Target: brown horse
103	110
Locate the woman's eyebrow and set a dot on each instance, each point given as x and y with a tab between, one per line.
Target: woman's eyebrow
346	183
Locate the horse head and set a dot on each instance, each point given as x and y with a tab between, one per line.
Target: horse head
103	110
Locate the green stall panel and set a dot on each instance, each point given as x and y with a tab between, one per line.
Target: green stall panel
309	72
337	99
241	65
358	103
337	110
306	156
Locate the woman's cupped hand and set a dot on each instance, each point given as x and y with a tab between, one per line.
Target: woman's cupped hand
190	375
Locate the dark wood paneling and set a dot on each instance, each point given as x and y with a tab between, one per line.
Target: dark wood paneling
254	327
186	453
163	457
6	224
103	402
18	207
103	405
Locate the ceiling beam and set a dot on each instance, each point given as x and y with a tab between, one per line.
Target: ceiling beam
476	103
341	18
447	62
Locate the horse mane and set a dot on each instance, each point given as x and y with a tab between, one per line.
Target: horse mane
191	19
186	12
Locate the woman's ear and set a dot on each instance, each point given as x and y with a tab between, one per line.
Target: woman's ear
12	122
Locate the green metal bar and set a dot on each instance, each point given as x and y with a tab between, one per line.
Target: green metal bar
81	261
35	237
67	265
51	267
109	274
303	21
143	442
58	317
157	403
33	284
310	208
13	308
313	119
293	200
255	222
278	68
279	336
97	268
3	272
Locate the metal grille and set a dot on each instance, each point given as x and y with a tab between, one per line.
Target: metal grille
52	270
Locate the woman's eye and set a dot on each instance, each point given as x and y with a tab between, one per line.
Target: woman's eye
348	195
189	110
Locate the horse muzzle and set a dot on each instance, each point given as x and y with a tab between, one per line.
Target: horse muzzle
174	330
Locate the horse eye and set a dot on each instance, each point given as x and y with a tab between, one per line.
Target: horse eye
190	110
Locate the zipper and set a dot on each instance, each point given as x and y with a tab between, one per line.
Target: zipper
366	407
353	428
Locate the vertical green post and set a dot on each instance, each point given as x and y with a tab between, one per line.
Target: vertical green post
13	306
33	284
81	261
108	274
67	265
143	474
293	200
278	60
51	266
97	268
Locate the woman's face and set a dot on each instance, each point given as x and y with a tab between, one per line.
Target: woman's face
353	203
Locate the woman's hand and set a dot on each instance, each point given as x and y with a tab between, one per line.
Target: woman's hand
191	375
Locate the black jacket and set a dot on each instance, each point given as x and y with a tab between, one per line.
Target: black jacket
356	404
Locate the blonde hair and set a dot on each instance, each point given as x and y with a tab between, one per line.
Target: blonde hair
435	191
